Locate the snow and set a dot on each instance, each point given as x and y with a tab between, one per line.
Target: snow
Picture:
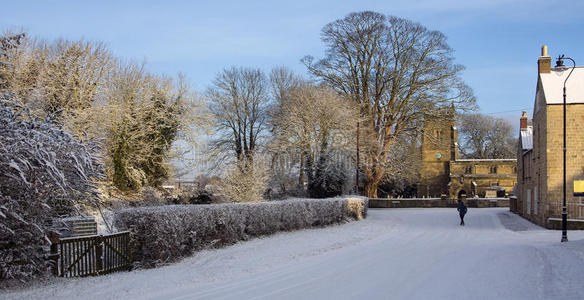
553	85
526	138
394	253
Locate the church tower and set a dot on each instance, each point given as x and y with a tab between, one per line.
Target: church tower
439	148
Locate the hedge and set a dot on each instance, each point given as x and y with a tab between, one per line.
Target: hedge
164	234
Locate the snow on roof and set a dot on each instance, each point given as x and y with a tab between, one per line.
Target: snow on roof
527	138
553	84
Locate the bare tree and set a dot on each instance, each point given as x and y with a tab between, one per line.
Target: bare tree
282	80
396	70
313	122
482	136
239	102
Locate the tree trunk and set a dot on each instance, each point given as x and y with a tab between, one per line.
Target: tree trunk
370	187
301	175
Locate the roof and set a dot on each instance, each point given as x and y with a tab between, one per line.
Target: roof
527	138
553	84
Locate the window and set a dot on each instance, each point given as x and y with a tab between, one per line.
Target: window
536	148
438	134
535	201
468	170
493	170
528	206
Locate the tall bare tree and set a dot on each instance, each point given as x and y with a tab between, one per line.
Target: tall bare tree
396	71
239	101
482	136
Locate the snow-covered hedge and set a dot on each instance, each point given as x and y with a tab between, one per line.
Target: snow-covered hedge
166	233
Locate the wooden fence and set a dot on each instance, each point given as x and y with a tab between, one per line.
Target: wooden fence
91	255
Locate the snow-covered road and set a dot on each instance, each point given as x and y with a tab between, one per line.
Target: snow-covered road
393	254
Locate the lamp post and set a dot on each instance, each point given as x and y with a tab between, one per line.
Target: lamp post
560	63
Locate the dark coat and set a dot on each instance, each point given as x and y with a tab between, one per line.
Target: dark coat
461	208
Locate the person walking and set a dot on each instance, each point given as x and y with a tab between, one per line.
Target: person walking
461	211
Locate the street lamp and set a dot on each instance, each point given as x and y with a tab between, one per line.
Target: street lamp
560	63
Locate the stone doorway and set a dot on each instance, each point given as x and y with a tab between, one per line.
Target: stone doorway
462	195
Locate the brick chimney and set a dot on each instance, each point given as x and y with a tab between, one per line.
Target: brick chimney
523	121
544	63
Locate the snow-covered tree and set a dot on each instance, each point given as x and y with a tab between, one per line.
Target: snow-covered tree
314	125
137	115
43	171
63	76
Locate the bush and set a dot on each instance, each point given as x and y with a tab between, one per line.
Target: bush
199	196
167	233
247	181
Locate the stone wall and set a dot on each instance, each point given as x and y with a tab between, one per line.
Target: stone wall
437	202
556	224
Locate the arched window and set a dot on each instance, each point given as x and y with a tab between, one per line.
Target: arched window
493	170
468	170
438	134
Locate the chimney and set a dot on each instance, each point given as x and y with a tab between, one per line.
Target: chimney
523	121
544	63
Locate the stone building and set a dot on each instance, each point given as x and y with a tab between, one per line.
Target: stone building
540	149
444	173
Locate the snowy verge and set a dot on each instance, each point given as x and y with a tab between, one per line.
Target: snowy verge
164	234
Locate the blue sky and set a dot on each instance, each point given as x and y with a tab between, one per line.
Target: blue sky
497	40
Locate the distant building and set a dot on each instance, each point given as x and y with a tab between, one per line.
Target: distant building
444	173
540	147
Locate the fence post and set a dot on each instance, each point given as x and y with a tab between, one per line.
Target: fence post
99	254
54	254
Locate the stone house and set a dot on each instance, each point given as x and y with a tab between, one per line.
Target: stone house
444	173
540	147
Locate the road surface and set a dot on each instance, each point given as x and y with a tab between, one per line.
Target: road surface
393	254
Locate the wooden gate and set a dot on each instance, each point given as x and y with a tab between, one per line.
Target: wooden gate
91	255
